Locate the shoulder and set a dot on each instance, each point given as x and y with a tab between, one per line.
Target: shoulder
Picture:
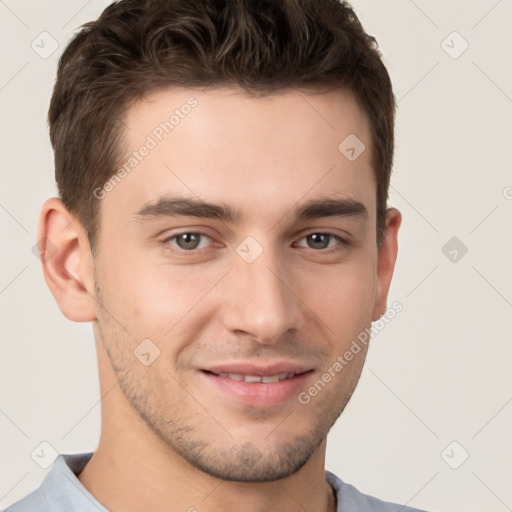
30	503
350	499
60	490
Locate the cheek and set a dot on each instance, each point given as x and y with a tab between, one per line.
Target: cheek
344	298
167	305
149	290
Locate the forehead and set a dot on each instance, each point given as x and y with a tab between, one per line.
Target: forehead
247	151
217	113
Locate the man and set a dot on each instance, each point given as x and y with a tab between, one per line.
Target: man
223	170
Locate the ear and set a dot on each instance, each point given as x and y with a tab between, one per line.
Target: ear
67	261
386	258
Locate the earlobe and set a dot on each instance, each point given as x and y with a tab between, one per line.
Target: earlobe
386	260
67	261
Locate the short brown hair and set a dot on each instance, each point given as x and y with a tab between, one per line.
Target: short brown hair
139	46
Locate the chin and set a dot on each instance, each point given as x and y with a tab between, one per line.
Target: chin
248	464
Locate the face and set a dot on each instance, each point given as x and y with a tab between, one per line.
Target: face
236	262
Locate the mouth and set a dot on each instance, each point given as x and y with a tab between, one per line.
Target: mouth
258	386
266	379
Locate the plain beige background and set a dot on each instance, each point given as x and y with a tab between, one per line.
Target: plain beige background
437	384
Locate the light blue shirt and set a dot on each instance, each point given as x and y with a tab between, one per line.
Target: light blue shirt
61	491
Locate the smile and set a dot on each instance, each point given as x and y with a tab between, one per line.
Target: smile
256	378
259	387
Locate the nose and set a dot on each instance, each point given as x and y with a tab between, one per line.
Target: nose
259	300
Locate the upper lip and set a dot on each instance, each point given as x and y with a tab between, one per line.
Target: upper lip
260	369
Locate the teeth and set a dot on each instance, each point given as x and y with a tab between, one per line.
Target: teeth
252	378
235	376
256	378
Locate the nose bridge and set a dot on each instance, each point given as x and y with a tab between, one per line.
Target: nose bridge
261	302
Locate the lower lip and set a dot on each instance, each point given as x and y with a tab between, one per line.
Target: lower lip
261	394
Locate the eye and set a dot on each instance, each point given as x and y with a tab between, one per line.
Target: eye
321	241
189	241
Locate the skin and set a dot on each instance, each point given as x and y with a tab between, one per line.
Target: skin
170	439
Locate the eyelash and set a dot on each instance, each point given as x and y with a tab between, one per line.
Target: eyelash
342	243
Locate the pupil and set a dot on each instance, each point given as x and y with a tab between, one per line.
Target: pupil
188	241
319	240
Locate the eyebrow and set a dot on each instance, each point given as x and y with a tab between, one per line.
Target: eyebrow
190	207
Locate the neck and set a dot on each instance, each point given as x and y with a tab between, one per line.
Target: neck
124	475
133	469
